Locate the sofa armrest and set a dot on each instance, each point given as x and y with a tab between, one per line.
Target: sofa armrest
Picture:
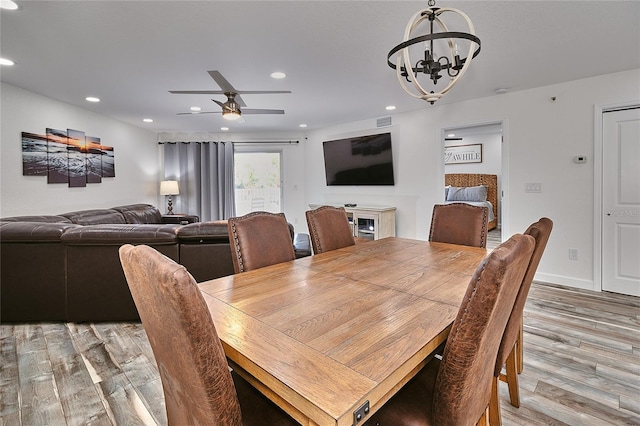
301	245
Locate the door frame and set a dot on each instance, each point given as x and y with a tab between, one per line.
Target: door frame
598	166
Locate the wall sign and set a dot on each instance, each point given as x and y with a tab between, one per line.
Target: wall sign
461	154
66	156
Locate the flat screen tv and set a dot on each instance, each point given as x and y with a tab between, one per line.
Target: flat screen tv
361	160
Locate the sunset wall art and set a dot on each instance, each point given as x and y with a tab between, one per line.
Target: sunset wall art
67	156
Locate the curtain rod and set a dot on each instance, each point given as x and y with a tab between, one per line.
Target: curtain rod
278	142
237	142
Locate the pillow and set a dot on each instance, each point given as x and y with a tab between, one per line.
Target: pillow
468	193
446	192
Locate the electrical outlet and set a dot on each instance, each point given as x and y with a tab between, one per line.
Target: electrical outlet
573	254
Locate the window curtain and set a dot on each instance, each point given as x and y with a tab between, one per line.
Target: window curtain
204	171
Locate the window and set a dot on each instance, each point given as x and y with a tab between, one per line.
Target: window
257	182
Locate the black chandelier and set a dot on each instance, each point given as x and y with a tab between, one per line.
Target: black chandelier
431	64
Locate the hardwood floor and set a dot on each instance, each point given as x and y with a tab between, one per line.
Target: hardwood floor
582	367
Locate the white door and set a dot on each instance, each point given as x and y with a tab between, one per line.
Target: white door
621	201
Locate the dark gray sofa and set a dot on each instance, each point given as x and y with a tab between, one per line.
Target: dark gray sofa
66	267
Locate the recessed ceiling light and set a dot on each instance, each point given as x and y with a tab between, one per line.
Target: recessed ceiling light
302	125
195	108
278	75
224	129
148	120
4	61
92	99
451	135
390	107
8	4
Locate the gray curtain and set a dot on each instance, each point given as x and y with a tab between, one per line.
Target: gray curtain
204	171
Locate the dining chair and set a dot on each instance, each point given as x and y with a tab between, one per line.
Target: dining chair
510	352
455	390
329	228
259	239
459	223
196	380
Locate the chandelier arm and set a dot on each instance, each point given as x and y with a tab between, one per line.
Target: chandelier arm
427	37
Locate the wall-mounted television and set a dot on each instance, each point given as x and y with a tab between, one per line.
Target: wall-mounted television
361	160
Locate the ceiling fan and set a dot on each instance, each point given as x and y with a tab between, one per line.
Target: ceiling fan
231	109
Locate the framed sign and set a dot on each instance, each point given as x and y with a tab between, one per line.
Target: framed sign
461	154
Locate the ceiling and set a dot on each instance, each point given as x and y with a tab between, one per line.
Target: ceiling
131	53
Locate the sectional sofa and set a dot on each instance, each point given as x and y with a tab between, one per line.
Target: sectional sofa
66	267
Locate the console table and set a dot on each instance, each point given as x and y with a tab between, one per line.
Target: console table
371	222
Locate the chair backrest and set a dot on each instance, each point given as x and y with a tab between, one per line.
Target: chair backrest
259	239
459	223
329	228
463	384
197	385
540	231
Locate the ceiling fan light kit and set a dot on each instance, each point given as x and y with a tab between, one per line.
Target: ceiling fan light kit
442	52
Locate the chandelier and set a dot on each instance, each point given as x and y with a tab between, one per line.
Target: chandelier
439	52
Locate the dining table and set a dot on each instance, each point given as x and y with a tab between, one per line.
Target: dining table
331	337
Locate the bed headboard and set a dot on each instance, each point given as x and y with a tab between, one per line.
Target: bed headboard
475	179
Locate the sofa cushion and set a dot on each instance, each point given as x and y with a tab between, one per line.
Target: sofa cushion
42	219
33	232
199	232
140	213
95	216
118	234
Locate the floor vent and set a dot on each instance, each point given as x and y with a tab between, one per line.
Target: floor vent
383	122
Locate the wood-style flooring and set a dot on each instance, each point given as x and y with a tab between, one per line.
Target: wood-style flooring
581	367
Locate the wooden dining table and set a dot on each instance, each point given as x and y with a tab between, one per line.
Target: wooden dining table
331	337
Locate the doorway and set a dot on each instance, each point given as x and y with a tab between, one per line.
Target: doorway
487	137
620	210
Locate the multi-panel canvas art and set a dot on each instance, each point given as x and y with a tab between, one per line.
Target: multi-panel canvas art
67	156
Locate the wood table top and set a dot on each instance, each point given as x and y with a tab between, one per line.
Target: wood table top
324	334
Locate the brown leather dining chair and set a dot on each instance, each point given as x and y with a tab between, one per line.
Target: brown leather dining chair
259	239
329	228
456	389
459	223
197	383
510	353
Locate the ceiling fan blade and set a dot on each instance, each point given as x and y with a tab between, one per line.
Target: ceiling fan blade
219	103
198	112
261	92
197	92
262	111
222	82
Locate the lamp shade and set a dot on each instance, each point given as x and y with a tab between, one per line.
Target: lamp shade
169	187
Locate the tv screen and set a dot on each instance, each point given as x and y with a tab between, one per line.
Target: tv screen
361	160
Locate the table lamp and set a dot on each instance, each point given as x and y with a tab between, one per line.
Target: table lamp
169	187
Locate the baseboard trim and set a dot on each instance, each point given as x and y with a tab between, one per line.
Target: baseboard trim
566	281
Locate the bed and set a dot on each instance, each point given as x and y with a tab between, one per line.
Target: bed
467	183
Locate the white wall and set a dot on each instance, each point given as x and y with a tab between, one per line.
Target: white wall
541	138
135	150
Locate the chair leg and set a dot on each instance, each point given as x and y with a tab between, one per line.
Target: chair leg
483	419
520	344
512	377
494	404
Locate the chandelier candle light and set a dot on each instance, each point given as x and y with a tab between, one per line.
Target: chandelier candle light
451	42
169	187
